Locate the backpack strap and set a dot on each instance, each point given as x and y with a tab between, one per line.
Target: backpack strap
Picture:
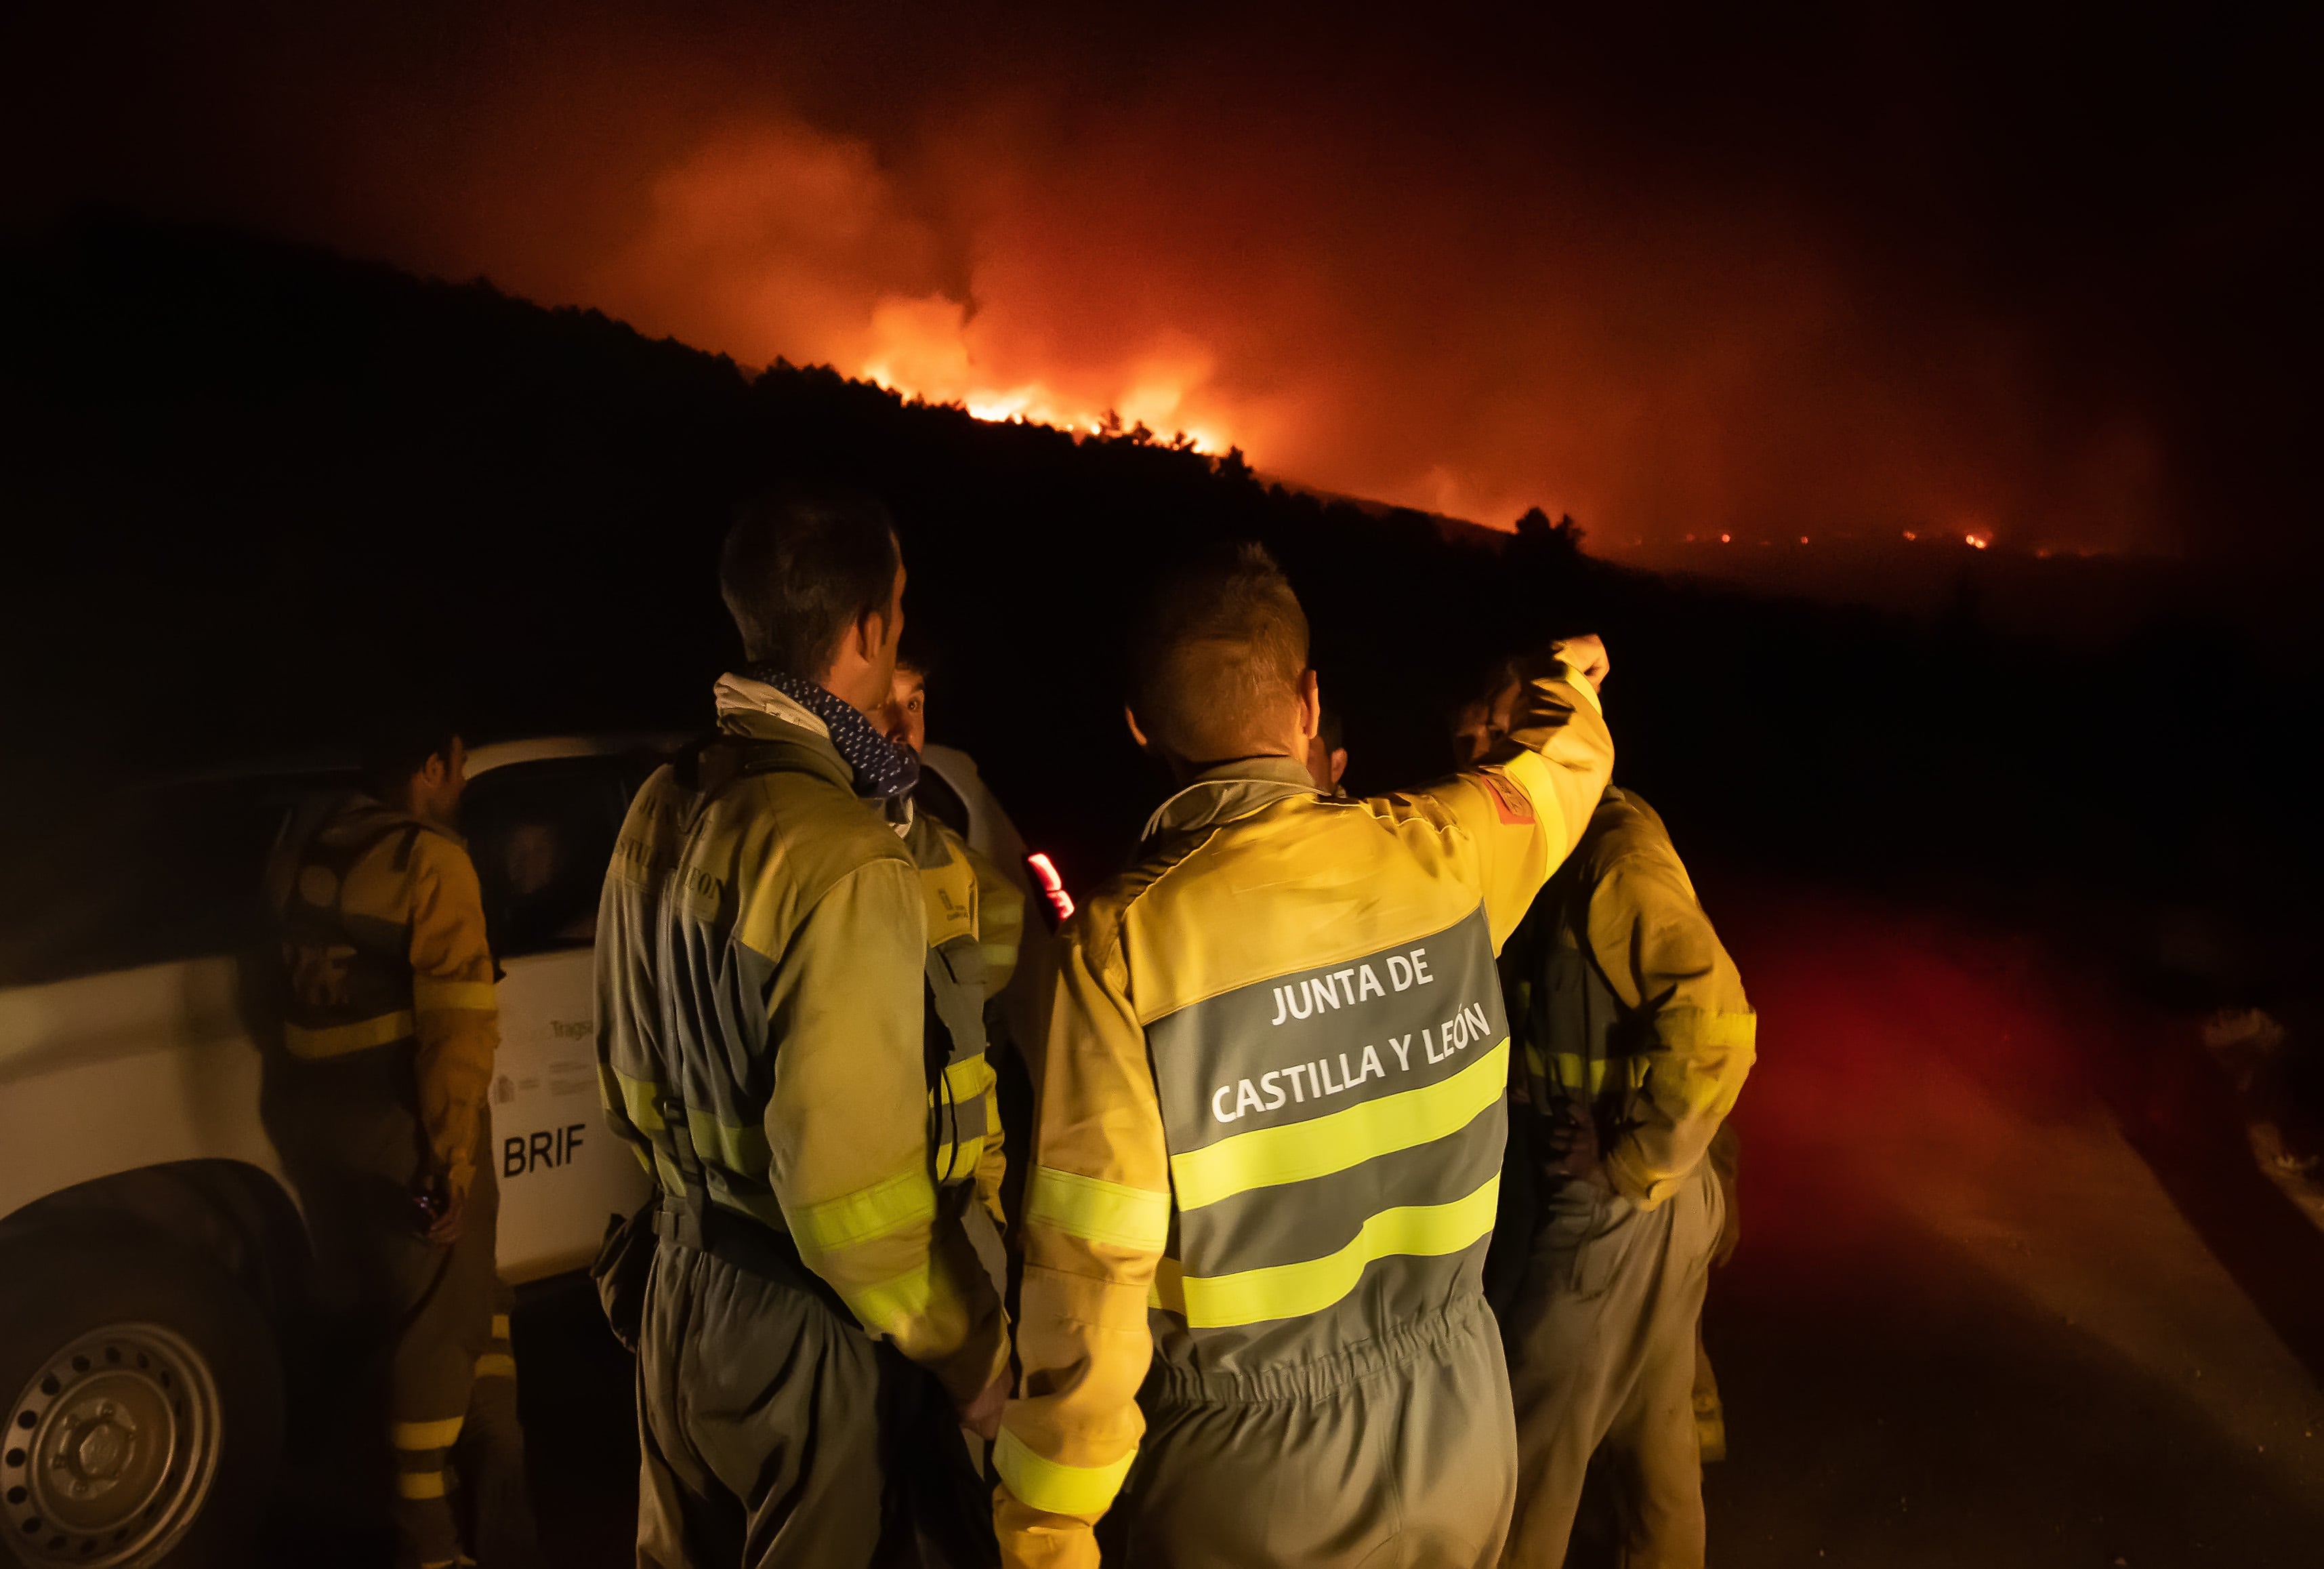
712	764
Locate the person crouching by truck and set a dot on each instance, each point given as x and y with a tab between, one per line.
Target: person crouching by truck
1635	1039
389	1028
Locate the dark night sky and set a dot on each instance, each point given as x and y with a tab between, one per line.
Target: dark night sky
1800	270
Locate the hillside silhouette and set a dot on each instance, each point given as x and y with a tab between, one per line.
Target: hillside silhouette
245	479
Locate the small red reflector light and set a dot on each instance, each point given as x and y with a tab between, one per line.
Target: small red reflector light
1045	872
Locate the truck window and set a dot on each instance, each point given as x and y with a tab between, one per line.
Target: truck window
541	834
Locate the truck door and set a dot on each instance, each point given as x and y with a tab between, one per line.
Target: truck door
542	833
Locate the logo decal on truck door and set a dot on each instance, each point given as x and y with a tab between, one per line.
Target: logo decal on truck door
522	1153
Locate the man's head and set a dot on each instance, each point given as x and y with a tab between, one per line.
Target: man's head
1483	721
1327	753
1218	667
903	718
419	767
814	581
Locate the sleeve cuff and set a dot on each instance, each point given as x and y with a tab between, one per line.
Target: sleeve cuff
1630	1177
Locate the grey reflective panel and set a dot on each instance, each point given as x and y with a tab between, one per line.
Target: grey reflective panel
1313	1042
1291	1223
1394	1290
957	1121
956	976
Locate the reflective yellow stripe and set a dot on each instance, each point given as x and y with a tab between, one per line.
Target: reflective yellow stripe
419	1484
905	1199
1583	1077
496	1364
1319	1146
338	1040
431	996
1096	1210
956	1161
1291	1290
499	1327
636	1098
1059	1490
885	1305
1529	772
968	1078
424	1435
732	1145
1682	1029
1168	1291
1580	683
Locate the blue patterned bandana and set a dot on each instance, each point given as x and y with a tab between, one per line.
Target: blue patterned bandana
883	770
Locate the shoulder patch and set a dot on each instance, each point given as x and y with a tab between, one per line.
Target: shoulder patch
1509	801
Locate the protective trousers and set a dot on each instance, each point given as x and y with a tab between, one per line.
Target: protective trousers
1395	1453
1602	1362
773	1430
489	1458
436	1313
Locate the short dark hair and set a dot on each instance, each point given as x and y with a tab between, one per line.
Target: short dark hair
800	566
1482	681
397	744
918	652
1223	638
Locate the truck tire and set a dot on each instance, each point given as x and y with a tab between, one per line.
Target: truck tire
145	1421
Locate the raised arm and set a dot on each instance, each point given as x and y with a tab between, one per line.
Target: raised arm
1097	1213
1524	807
847	1131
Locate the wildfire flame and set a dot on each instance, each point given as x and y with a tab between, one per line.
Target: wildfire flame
922	348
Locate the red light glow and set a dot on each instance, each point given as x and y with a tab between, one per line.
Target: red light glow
1045	872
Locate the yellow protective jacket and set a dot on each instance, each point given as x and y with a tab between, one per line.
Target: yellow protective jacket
761	956
383	942
1271	1110
976	920
1628	1005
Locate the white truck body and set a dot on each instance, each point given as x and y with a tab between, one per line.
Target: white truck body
124	1069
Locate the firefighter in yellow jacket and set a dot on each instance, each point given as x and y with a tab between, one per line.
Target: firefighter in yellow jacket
1635	1039
1270	1132
389	1026
762	950
976	924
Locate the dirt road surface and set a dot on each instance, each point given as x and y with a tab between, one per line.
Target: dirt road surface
1969	1325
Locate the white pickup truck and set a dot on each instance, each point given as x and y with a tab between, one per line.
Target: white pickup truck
151	1249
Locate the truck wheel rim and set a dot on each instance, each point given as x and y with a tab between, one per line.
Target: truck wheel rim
111	1449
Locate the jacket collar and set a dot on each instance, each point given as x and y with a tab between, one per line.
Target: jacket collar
764	713
737	694
362	804
1227	792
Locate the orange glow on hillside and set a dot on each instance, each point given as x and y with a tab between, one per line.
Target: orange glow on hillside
1394	291
921	348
